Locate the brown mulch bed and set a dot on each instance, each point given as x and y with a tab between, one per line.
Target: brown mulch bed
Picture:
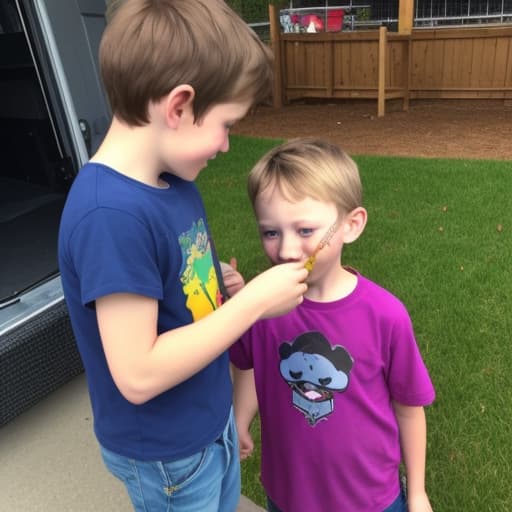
440	128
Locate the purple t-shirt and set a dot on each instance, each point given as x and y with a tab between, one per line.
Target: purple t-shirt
326	375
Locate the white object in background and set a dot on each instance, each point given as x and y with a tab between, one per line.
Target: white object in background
286	23
311	27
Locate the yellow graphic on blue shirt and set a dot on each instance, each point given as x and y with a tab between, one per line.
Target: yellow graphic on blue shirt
198	277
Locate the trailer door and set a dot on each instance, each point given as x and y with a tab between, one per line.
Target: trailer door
70	32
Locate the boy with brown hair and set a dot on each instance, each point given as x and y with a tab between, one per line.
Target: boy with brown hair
138	266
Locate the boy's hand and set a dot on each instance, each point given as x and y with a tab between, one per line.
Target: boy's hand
279	289
419	503
246	444
233	280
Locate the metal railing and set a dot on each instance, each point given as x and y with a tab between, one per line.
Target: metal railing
430	13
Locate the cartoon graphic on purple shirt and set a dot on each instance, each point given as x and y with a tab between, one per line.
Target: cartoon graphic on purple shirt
314	369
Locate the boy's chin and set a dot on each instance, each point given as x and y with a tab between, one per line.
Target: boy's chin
188	176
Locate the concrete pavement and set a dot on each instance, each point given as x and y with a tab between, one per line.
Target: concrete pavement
50	461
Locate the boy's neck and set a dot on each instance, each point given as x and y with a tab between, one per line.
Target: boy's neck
132	151
337	284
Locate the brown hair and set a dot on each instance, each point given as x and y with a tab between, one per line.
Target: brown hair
309	167
151	46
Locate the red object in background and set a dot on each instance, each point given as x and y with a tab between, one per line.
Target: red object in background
304	20
335	20
317	21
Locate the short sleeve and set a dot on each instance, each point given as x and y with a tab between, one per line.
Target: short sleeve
114	252
240	353
408	378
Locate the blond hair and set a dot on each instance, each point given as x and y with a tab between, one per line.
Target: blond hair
149	47
308	167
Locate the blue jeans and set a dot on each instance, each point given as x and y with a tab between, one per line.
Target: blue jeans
208	481
399	505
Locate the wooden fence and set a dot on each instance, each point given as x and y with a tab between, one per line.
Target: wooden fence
461	63
425	63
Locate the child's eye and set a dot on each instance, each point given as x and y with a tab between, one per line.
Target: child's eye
269	233
305	232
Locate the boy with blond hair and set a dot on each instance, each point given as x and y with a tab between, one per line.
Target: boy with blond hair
339	380
139	271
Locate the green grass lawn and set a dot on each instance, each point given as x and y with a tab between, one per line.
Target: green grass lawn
439	236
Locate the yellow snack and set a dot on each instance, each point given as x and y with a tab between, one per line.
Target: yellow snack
310	262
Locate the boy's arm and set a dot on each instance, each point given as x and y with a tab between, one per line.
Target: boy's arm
245	403
144	364
413	440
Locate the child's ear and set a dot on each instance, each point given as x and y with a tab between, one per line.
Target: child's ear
178	101
353	224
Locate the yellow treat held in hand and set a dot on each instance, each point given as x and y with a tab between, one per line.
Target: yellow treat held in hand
310	262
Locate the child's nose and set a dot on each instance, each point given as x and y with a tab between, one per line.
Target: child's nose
225	145
290	249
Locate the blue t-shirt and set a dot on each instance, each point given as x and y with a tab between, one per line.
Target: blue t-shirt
118	235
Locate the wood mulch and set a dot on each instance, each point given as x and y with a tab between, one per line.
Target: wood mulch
439	128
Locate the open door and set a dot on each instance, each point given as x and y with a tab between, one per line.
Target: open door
53	116
66	35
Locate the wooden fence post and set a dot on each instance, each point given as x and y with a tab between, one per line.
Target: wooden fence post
275	41
405	24
381	94
407	72
405	16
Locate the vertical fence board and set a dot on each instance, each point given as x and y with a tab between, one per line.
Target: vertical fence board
462	61
359	57
479	77
508	72
341	59
298	68
365	67
448	66
418	71
329	71
275	42
383	64
501	62
397	59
